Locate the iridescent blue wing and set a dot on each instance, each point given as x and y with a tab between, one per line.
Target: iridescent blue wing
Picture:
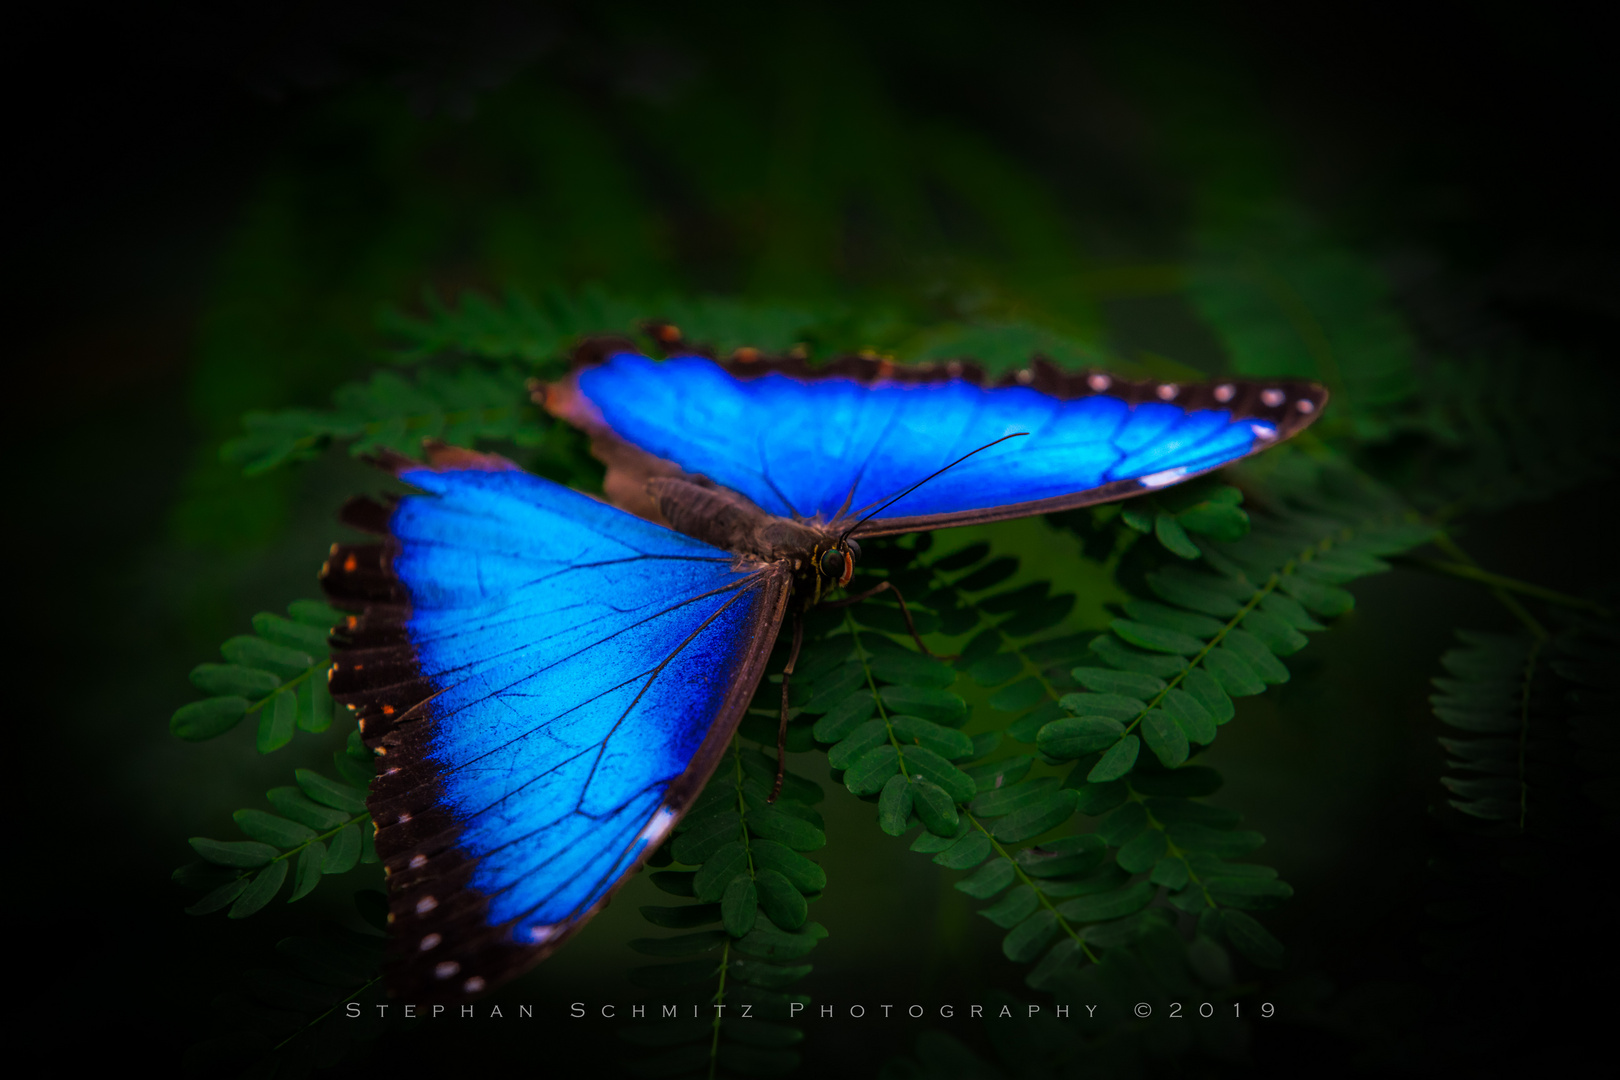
549	681
842	439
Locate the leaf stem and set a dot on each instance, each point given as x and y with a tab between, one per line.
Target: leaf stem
871	682
367	985
1045	900
719	999
1445	543
1498	581
290	684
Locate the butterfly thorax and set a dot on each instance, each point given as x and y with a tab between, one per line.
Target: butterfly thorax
811	550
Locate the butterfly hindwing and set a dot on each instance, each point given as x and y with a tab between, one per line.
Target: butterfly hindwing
549	681
808	443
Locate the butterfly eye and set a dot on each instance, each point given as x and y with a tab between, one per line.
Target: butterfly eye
832	563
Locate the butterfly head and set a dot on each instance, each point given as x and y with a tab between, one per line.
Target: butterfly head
835	564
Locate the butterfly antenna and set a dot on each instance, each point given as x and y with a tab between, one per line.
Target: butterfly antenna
845	534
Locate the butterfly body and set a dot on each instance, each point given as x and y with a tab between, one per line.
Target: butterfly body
550	679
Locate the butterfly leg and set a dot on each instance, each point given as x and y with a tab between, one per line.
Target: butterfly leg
781	731
904	613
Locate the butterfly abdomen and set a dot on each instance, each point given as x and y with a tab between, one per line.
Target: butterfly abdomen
729	521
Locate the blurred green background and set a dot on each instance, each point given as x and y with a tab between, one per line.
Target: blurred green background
218	205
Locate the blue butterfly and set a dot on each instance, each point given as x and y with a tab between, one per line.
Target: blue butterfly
550	679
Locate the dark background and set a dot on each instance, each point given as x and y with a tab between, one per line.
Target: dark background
211	203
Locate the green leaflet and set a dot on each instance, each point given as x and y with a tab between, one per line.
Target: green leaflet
1124	683
682	918
1026	940
995	670
946	742
261	891
276	722
967	852
805	875
894	805
1117	706
343	852
934	806
256	653
272	829
1165	737
293	803
1063	857
781	901
1076	736
206	719
330	792
1252	939
243	853
1013	908
233	680
989	880
921	761
704	835
845	716
1117	761
311	861
739	905
1157	638
1109	905
1032	820
927	702
289	633
770	822
868	773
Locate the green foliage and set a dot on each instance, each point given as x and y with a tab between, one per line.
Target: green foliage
463	406
1507	427
320	828
279	672
324	998
1048	757
1520	709
1166	674
752	884
1052	769
1285	300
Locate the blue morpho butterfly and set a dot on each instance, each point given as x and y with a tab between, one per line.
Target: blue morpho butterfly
551	678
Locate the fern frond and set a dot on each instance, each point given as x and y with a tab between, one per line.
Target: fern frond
1491	695
539	331
321	827
325	999
1284	300
1505	428
752	879
278	672
463	405
1167	672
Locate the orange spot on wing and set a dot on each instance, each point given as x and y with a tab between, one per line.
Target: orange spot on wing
349	564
